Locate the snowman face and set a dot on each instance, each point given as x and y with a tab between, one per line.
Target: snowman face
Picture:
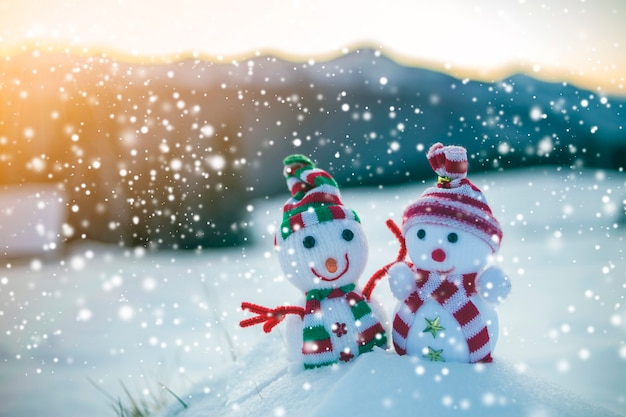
325	255
445	249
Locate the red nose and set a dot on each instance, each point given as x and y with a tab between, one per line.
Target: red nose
438	255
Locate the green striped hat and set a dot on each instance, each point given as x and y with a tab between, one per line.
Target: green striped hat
315	196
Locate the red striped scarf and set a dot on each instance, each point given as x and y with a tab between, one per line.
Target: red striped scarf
453	294
317	348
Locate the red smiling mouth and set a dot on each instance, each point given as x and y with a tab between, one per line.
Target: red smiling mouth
323	278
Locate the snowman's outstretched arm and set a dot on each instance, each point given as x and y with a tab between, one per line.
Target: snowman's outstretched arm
378	275
270	316
493	285
402	280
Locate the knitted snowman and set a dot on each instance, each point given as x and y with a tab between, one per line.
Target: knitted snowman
322	251
446	310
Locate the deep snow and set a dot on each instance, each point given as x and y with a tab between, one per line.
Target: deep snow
379	383
142	318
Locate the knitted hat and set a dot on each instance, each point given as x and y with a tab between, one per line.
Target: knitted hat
454	201
315	196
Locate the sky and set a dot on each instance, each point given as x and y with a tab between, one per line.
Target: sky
579	41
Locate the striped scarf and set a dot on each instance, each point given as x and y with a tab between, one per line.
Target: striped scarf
317	348
455	299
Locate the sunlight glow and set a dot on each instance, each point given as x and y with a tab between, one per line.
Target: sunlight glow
580	41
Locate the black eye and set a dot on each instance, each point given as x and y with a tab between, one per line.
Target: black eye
347	235
453	237
421	234
308	242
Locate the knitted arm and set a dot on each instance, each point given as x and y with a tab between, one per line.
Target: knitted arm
378	275
493	285
271	317
401	280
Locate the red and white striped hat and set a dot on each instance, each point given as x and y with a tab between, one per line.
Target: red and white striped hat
454	201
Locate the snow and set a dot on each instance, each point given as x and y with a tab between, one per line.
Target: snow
31	219
381	383
110	317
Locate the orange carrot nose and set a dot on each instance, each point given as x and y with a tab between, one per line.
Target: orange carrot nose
331	265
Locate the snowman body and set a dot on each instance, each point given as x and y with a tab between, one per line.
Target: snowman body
436	334
446	310
324	261
339	323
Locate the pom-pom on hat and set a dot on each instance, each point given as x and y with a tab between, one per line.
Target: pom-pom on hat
455	201
315	196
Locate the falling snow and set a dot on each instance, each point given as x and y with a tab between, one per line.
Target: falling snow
121	166
114	314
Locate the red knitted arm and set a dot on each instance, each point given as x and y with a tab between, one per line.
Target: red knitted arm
371	283
271	317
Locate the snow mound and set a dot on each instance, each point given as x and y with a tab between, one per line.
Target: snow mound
377	383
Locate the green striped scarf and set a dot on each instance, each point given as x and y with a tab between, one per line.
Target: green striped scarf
317	349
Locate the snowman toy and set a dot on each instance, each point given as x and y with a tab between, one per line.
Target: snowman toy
322	251
446	310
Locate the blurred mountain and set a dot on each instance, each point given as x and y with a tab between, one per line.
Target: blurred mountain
169	156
